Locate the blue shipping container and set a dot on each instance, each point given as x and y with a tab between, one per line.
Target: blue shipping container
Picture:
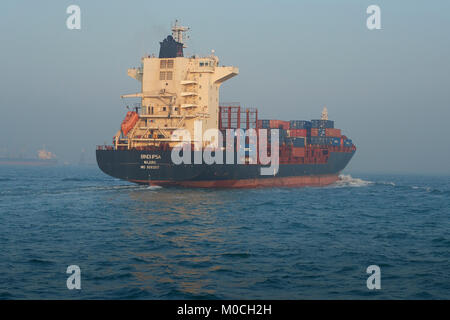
323	141
265	124
348	143
322	132
298	142
336	141
299	124
327	124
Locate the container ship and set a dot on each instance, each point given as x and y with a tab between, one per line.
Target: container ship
181	94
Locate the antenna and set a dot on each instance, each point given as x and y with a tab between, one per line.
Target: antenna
178	32
325	113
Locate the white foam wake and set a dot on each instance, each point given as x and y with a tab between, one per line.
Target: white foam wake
346	180
154	187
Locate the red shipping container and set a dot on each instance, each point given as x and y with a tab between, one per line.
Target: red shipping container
329	132
285	124
275	124
298	152
314	132
297	132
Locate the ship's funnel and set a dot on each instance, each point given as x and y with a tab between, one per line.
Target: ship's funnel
170	48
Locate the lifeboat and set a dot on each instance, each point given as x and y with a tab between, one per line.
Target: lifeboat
129	122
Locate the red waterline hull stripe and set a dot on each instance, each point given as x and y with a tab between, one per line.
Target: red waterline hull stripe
301	181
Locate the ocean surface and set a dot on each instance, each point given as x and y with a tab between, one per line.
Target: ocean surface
140	242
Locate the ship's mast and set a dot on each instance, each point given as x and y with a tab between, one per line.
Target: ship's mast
325	113
178	32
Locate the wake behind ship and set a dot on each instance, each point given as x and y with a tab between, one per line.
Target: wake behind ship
182	93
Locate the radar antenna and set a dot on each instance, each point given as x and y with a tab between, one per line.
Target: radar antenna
178	32
325	113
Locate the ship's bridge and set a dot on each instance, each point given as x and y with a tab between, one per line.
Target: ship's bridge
176	91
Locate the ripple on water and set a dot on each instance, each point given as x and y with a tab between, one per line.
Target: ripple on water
141	242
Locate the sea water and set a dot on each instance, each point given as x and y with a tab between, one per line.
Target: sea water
141	242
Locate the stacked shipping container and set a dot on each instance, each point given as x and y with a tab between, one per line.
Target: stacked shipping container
296	136
322	124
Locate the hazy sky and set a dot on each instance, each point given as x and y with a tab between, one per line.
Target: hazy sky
388	89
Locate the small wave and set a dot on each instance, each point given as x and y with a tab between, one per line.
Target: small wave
427	189
387	183
133	293
439	192
182	294
422	295
346	180
266	203
236	255
40	261
441	242
154	187
108	188
72	179
75	179
116	276
6	295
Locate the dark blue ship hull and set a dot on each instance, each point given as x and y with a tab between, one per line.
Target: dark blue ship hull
157	168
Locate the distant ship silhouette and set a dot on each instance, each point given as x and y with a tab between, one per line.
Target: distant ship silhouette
43	157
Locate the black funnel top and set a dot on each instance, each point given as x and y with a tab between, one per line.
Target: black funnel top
170	48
